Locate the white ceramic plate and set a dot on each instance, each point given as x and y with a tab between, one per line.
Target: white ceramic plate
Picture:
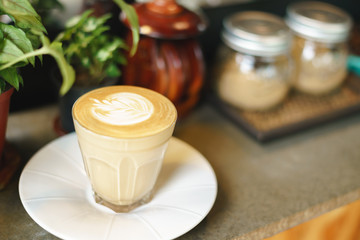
56	193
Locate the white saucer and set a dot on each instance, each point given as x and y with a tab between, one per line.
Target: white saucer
56	193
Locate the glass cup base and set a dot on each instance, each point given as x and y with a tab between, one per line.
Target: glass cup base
123	208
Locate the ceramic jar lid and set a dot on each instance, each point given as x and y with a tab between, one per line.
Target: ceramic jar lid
166	19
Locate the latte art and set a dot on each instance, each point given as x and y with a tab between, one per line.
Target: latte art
124	112
122	109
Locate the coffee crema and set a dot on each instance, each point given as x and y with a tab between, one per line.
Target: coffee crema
124	111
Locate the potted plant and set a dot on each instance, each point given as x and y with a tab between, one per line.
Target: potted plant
21	40
96	55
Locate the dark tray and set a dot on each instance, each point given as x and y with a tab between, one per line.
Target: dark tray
298	112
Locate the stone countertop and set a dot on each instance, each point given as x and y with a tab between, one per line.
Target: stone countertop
263	188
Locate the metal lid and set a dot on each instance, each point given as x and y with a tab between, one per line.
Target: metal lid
256	33
319	21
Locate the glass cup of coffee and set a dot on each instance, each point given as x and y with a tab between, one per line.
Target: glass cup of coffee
123	133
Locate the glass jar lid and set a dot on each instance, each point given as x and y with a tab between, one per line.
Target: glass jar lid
256	33
319	21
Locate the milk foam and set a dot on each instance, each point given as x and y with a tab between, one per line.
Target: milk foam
122	108
124	112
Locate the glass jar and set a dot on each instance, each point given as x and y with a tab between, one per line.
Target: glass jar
253	63
320	46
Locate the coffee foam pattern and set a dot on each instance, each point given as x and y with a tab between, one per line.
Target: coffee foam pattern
124	111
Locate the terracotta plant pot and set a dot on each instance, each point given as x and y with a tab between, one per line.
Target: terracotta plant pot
4	111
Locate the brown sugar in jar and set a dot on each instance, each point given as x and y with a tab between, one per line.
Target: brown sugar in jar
253	63
320	46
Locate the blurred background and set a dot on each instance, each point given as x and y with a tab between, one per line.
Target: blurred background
40	90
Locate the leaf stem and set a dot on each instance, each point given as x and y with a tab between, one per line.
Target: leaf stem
34	53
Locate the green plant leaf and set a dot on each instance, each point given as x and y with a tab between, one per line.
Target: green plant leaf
84	40
18	41
10	52
120	59
78	21
90	48
109	49
23	14
55	50
72	26
132	17
85	61
113	71
15	44
11	76
93	23
67	72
